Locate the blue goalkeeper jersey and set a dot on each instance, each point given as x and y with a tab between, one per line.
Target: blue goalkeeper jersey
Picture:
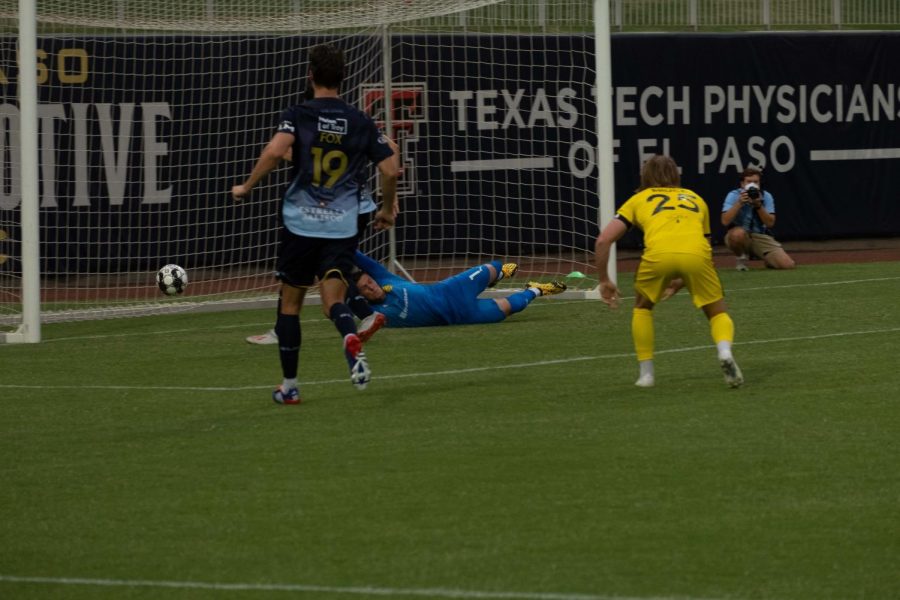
408	304
333	144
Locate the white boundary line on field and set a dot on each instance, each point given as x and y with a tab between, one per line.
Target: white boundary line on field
455	372
324	589
818	284
169	331
551	302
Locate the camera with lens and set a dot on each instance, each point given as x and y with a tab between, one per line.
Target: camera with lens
753	191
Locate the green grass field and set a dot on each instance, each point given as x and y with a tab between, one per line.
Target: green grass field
143	458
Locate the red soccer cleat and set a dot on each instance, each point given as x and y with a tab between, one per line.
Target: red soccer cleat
370	325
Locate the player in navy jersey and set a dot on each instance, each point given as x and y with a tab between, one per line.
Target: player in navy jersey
331	144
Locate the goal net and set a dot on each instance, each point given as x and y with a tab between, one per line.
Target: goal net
148	113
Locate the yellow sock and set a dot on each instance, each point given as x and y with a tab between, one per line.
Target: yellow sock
642	332
722	328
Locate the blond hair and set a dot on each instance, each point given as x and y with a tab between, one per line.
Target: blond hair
659	171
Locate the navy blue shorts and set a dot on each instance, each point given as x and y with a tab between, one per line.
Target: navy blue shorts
302	259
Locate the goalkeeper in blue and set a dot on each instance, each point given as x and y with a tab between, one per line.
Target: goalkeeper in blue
453	301
385	299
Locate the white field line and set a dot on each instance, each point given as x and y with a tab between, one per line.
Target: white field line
547	303
268	325
766	288
324	589
822	283
550	302
455	372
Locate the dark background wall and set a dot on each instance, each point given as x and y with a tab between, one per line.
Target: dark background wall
819	111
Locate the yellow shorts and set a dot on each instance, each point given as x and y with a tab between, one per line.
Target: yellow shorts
699	275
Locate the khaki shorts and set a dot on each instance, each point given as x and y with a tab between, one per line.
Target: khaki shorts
699	275
761	244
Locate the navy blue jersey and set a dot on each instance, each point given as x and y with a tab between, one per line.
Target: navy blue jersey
333	146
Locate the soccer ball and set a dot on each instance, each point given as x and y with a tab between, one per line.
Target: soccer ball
172	280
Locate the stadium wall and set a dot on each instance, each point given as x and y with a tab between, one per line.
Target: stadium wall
819	111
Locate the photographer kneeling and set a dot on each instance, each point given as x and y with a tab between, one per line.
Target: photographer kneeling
749	212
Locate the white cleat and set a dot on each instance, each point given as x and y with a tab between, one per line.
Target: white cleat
265	339
733	376
360	374
646	380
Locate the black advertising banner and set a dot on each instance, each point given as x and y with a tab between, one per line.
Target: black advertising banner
142	137
140	140
819	111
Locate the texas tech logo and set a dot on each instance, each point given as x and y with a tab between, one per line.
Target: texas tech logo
408	109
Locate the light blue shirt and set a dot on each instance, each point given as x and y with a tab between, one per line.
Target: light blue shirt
333	145
747	217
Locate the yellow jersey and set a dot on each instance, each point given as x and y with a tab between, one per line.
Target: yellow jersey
674	220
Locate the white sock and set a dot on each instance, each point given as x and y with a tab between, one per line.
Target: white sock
724	349
537	291
289	384
646	367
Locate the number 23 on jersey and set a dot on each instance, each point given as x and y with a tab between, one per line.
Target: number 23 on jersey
673	202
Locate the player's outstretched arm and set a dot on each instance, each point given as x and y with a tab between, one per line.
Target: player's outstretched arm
732	206
674	286
399	165
375	270
390	170
609	291
268	160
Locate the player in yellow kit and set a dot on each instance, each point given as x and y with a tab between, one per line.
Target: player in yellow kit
675	222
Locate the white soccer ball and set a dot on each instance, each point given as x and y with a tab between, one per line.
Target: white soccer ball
172	280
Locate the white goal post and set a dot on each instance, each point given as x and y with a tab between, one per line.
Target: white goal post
134	119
